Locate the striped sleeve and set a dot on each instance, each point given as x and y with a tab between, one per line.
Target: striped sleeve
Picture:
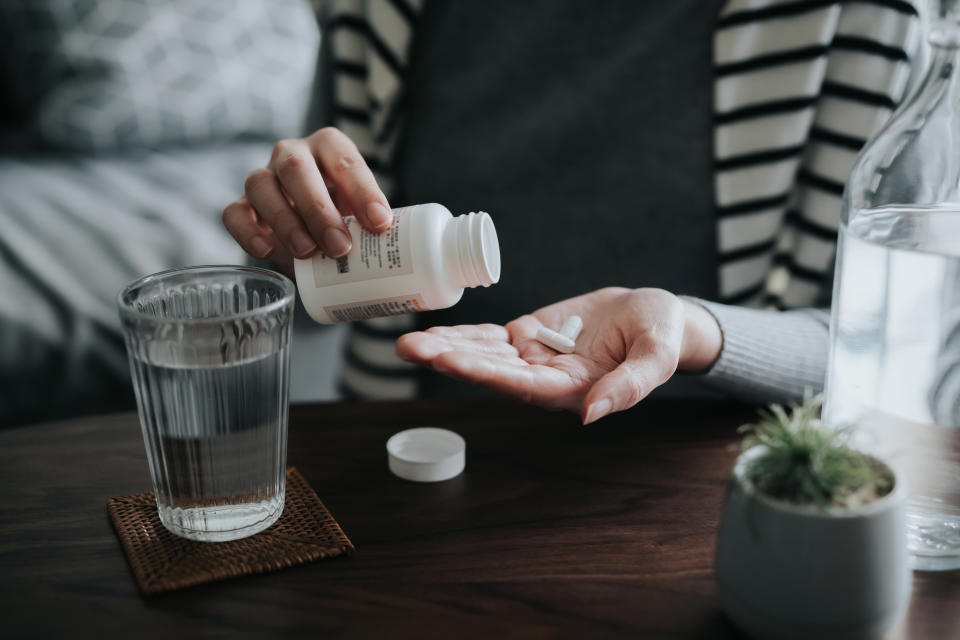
799	86
371	369
770	61
867	72
368	48
368	44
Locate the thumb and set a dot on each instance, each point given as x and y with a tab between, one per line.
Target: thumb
628	384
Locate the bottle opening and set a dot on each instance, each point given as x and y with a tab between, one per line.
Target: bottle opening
490	249
479	250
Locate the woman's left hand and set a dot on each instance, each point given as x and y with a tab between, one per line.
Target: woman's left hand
633	340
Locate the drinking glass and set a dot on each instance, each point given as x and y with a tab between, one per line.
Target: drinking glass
209	353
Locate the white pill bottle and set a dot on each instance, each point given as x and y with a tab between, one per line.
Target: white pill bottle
422	262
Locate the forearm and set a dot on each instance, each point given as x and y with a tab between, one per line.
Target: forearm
768	356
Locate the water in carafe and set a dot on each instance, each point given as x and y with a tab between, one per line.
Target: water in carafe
894	366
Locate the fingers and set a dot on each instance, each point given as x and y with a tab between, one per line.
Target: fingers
422	347
523	328
307	188
344	168
483	355
244	225
555	314
534	384
620	389
523	334
265	196
419	347
646	368
473	332
298	174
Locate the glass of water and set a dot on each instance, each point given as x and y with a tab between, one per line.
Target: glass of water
209	352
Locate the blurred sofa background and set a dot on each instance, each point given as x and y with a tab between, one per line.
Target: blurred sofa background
125	128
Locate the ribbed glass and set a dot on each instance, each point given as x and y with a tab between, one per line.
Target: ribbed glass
209	352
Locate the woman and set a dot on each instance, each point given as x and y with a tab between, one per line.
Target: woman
700	148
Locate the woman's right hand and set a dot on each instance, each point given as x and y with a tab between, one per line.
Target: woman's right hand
296	205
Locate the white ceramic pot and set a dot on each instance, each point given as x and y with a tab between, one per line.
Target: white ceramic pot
801	571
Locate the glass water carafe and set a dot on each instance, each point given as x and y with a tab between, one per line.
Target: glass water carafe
895	328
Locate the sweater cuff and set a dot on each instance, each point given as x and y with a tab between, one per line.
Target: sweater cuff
769	356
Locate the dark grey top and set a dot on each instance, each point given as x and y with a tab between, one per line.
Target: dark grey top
583	128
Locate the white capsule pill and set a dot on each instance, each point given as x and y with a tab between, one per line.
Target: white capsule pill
554	340
572	327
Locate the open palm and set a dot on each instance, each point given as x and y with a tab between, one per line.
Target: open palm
631	343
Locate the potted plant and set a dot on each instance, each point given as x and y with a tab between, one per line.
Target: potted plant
813	538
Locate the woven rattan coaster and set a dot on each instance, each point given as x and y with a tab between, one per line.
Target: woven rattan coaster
162	561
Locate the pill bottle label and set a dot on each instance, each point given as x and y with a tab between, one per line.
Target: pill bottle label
374	255
376	308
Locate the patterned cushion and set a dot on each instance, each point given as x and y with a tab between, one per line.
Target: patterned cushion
104	74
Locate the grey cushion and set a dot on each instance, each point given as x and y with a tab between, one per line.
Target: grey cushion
106	74
77	229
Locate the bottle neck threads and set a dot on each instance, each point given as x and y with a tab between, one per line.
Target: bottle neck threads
473	253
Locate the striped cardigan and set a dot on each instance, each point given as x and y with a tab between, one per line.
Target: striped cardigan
798	88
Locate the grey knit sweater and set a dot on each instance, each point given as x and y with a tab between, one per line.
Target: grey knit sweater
769	356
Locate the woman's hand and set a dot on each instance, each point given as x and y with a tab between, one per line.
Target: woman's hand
633	340
297	204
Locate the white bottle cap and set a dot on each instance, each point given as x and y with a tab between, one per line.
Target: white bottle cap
426	454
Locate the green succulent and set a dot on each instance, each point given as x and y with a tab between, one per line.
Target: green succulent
806	462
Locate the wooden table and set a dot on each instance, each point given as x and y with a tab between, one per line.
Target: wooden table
553	530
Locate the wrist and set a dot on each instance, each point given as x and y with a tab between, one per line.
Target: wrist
702	338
